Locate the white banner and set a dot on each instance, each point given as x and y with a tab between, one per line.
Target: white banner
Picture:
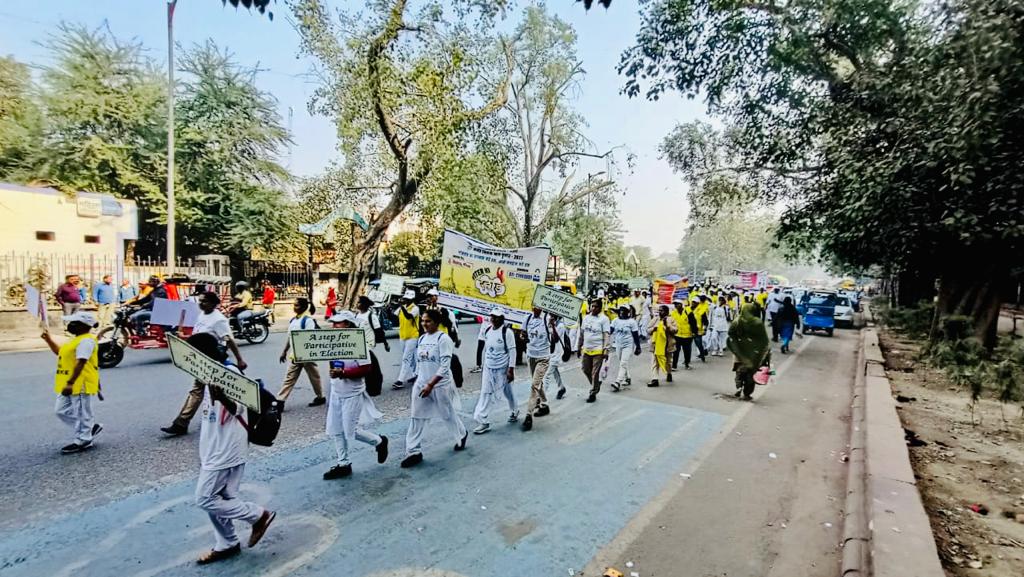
391	284
174	313
238	388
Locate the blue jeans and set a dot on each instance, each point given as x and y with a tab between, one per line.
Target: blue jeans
140	319
786	332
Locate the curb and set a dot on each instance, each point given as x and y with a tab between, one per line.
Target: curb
886	532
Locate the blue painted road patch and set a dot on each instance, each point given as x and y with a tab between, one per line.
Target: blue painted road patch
513	503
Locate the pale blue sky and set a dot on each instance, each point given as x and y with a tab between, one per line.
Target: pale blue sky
653	208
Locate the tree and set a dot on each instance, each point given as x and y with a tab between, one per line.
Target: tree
20	118
599	228
400	88
863	120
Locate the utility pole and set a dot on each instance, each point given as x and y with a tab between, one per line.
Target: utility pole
170	137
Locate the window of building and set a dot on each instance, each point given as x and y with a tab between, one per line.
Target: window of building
92	239
45	235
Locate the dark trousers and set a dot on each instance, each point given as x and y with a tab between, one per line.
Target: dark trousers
479	353
686	344
775	327
744	382
699	339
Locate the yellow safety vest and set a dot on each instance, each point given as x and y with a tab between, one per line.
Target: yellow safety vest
408	328
659	338
699	312
682	319
66	361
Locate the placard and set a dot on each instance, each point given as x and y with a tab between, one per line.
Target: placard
173	313
377	296
35	303
236	387
314	345
557	302
391	284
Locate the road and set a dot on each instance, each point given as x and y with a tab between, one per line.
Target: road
681	480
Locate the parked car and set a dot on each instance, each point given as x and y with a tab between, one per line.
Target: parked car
844	311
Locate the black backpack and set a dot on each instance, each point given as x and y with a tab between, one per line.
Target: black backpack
264	425
374	380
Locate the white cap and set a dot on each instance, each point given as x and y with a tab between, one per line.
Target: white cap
343	316
496	312
409	294
82	317
680	301
600	293
433	292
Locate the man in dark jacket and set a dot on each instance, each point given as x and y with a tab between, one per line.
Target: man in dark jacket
141	316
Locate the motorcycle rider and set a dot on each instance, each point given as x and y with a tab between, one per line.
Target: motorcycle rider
241	306
140	318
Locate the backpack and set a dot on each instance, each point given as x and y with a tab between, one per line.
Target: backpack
302	323
264	425
375	379
504	329
566	347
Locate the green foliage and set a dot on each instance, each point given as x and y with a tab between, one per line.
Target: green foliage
736	238
575	230
915	321
407	251
20	118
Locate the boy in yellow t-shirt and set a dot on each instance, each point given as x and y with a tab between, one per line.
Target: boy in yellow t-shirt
77	379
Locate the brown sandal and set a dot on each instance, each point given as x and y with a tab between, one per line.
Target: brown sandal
213	555
260	527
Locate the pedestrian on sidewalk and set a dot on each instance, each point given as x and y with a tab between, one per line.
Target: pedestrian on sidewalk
538	354
77	379
303	320
721	316
105	299
561	351
351	407
626	340
67	295
789	321
223	443
434	395
499	356
594	340
748	341
408	332
213	322
127	292
267	299
662	330
774	306
682	314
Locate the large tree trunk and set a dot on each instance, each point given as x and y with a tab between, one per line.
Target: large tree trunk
912	287
975	297
360	264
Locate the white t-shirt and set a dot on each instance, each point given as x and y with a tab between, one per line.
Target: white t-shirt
498	355
214	323
297	323
537	344
346	388
367	321
560	333
775	302
84	348
223	441
594	328
434	358
622	333
483	330
720	318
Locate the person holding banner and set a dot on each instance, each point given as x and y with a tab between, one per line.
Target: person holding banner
302	321
499	359
408	333
350	407
434	395
595	336
626	340
538	354
663	331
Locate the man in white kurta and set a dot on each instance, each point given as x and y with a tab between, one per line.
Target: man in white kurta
499	360
350	407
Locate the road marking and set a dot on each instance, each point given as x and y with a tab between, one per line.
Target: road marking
632	530
589	429
329	533
664	445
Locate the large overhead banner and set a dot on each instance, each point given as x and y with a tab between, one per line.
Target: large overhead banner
477	277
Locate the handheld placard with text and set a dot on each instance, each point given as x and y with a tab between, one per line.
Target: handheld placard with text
557	302
237	387
328	345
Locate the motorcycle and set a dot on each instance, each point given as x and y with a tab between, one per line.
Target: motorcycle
254	328
122	334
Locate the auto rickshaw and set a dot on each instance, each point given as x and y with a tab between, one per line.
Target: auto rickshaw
819	311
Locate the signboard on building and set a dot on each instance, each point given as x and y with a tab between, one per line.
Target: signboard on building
89	206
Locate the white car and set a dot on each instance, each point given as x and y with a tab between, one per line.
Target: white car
844	311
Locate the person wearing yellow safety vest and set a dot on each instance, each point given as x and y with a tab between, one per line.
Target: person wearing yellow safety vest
687	323
762	301
77	379
663	331
702	310
409	333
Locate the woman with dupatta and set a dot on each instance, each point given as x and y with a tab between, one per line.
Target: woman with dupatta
749	344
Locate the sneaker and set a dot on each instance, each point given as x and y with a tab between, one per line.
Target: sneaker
514	417
462	444
75	448
259	528
616	387
338	472
173	430
561	393
97	429
653	383
592	398
542	410
382	450
398	385
627	383
476	370
527	423
213	555
317	402
483	428
412	460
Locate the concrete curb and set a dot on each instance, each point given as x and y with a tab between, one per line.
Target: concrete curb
886	532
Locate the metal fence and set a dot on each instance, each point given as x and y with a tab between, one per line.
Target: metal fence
288	278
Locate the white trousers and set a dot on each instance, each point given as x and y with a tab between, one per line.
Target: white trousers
717	341
623	363
554	374
343	426
76	412
408	371
448	415
217	494
493	382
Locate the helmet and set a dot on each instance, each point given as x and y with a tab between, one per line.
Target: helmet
241	284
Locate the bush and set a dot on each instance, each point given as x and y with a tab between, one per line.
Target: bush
915	321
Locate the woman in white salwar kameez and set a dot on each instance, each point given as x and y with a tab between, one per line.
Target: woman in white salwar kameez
350	407
433	395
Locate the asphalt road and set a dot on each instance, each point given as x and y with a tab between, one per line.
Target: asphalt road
676	481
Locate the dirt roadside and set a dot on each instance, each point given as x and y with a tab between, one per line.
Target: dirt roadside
970	474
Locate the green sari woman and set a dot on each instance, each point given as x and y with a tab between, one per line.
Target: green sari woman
748	341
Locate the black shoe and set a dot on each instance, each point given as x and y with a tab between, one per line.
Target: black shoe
75	448
527	423
542	411
561	393
97	429
747	398
338	472
173	430
688	367
738	393
398	385
412	460
653	383
317	402
461	446
382	450
668	378
703	358
592	398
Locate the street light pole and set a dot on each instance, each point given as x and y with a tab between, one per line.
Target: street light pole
170	137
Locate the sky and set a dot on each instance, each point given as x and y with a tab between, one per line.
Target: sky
653	208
